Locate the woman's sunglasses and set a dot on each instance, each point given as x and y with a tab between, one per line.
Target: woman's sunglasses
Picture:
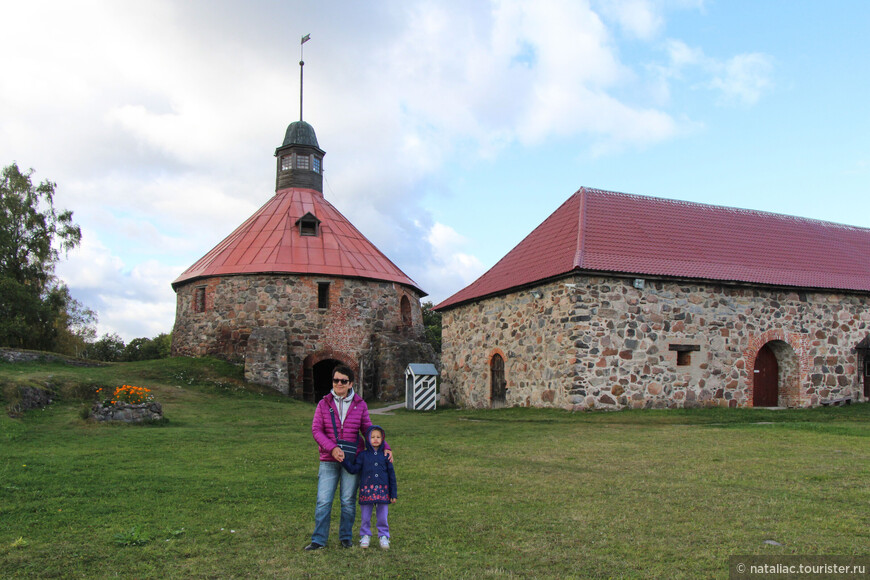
340	381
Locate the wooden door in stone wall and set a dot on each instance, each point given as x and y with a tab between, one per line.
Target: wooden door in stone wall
765	385
497	385
866	378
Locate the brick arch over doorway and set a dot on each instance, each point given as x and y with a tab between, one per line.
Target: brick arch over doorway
309	389
790	350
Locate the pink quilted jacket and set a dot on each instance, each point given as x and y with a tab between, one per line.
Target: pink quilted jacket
356	423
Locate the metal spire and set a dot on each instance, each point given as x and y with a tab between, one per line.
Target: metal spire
305	39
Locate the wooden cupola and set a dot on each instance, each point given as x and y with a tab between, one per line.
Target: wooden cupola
300	159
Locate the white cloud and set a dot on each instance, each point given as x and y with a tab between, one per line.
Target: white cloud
449	268
744	78
740	80
132	302
639	18
158	120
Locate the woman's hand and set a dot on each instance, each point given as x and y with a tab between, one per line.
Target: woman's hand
338	454
389	454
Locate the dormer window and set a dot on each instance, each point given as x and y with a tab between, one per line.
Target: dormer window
302	162
308	225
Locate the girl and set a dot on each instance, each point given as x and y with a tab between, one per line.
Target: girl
377	486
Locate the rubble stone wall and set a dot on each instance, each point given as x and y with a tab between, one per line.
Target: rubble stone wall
235	306
594	342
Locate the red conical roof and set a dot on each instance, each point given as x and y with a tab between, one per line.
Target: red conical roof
605	231
270	242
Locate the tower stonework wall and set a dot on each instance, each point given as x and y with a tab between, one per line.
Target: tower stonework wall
593	342
358	310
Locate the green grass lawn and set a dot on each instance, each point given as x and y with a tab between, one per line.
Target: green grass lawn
225	488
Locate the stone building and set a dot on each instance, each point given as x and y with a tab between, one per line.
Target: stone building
624	301
297	289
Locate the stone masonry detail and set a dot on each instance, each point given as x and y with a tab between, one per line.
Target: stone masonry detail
359	314
597	342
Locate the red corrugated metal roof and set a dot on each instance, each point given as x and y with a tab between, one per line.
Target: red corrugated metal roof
606	231
269	241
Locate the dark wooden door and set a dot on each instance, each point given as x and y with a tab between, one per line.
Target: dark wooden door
867	379
765	386
497	381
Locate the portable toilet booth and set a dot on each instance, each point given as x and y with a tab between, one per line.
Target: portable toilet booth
421	387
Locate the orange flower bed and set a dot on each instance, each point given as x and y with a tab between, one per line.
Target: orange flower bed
126	394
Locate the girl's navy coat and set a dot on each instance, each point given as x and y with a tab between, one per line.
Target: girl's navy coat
377	480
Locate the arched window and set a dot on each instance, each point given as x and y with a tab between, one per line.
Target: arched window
406	311
497	382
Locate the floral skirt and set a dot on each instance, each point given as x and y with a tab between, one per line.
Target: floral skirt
374	493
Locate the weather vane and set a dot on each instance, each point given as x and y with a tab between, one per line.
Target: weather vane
305	39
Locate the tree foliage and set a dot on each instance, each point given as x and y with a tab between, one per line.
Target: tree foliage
111	348
32	231
432	324
33	303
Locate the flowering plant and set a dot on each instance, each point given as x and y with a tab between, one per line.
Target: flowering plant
125	394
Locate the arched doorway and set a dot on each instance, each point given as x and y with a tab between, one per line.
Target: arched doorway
863	350
322	377
765	384
497	382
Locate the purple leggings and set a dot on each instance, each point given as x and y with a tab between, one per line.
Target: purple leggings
365	528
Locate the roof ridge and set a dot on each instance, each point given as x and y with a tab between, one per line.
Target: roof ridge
581	228
741	210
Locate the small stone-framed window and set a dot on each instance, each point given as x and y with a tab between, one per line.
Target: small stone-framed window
199	299
286	162
323	295
684	353
302	162
316	164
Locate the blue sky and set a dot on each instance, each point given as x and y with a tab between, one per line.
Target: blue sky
451	128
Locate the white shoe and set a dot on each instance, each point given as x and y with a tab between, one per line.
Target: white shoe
364	541
385	543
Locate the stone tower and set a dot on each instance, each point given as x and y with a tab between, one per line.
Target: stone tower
297	289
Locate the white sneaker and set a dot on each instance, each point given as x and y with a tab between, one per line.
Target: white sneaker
385	543
364	541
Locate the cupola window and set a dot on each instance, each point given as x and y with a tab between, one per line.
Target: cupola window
316	164
286	162
302	162
308	225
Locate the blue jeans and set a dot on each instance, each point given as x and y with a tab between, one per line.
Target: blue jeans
328	478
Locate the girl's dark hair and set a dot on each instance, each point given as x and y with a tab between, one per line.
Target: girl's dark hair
343	369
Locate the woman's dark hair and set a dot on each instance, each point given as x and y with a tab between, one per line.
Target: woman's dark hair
343	369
